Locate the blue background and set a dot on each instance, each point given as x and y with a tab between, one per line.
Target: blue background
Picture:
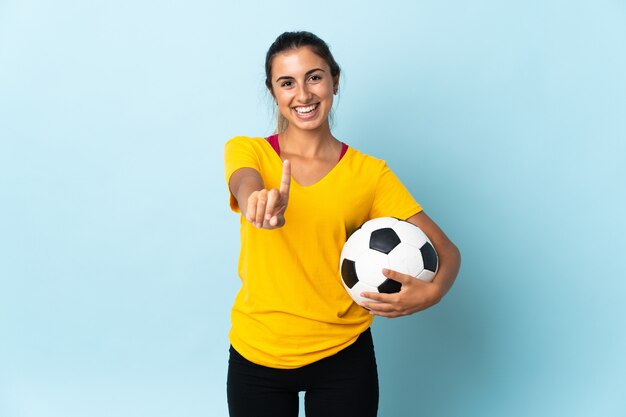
506	120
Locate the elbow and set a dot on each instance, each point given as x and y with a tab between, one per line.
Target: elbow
457	253
451	255
455	258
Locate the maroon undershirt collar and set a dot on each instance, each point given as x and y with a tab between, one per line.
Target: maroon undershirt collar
273	140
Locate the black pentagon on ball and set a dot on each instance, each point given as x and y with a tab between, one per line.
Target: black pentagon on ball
384	240
429	256
348	273
389	286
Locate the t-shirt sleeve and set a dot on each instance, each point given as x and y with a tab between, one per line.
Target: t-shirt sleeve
392	198
238	153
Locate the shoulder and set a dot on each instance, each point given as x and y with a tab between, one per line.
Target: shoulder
247	144
365	161
245	141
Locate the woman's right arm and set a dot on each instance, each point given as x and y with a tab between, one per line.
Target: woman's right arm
262	207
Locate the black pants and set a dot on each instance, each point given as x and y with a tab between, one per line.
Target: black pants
343	385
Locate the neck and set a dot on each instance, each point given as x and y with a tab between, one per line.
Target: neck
307	143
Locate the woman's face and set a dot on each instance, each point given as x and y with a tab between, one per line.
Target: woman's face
303	88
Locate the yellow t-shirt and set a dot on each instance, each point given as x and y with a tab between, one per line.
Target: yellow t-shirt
292	309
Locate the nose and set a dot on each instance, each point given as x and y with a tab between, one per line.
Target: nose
304	94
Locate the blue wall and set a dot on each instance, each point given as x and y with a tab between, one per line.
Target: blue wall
507	120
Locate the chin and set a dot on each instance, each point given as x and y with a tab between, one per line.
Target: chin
309	127
319	122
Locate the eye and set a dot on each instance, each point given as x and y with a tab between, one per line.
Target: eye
315	77
286	83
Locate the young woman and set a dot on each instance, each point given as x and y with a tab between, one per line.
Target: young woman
301	192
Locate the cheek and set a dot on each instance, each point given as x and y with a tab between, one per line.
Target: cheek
283	102
282	98
283	105
326	89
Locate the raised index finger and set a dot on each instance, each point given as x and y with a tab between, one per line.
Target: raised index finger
285	180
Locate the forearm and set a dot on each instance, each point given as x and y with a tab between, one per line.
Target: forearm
246	188
243	183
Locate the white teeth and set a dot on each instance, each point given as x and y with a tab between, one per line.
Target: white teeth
307	109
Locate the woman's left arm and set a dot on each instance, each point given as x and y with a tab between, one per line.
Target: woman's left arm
416	295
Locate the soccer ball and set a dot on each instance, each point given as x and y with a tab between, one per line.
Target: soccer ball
385	242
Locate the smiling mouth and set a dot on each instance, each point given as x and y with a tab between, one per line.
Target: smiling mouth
306	109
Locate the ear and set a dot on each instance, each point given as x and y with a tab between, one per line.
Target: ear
336	83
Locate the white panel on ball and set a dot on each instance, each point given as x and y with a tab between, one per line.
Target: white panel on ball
408	232
406	259
369	267
426	275
360	287
360	243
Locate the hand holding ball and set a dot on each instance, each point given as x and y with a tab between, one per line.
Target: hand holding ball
390	243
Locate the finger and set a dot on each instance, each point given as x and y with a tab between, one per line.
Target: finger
389	315
379	308
251	209
378	302
260	208
397	276
272	197
285	181
277	221
379	298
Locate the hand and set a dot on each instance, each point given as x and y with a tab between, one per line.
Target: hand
266	208
415	295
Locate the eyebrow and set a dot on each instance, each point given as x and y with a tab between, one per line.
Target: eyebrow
287	77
